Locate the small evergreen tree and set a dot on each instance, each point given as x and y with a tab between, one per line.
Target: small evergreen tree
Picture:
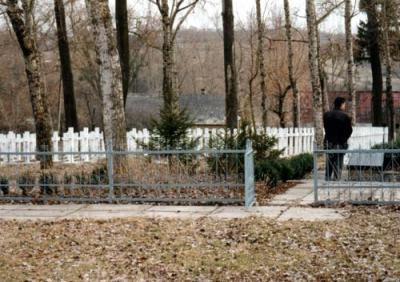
171	131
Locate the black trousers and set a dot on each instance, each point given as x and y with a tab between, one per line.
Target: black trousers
334	163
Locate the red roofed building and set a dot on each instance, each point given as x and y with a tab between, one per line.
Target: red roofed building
364	113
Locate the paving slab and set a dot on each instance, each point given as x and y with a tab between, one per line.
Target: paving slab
305	183
286	206
291	197
203	209
29	218
105	207
174	215
311	214
12	207
281	203
105	214
37	213
231	213
60	207
4	212
268	211
308	200
304	186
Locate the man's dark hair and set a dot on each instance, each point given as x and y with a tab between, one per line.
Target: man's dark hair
339	101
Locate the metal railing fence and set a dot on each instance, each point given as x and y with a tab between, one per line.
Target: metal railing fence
170	176
366	177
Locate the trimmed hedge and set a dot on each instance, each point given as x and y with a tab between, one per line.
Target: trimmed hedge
394	145
274	171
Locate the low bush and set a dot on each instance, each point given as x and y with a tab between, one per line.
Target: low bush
99	176
391	160
26	182
269	171
393	145
48	183
276	170
5	188
301	165
263	146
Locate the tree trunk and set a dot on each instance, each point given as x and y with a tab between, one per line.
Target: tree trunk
292	80
24	28
281	111
110	76
71	117
231	99
388	63
170	95
251	104
254	70
322	74
261	66
314	72
376	68
350	61
121	16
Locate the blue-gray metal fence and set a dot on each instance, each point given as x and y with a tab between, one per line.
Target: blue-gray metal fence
171	176
366	177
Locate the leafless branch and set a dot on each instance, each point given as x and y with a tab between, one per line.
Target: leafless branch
328	12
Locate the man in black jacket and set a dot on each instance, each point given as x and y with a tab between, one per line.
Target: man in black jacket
338	130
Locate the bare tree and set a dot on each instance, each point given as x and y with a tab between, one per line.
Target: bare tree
22	20
388	63
314	71
71	117
350	60
231	99
293	82
327	7
110	74
171	25
279	109
372	34
322	73
253	72
261	64
121	17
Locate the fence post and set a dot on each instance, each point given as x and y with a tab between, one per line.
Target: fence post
110	171
249	175
315	173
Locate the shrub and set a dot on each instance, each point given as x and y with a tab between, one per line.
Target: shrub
48	183
391	160
263	146
26	182
276	170
394	145
268	171
301	165
68	180
4	185
99	175
170	132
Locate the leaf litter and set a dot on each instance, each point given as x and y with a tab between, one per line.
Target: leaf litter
364	246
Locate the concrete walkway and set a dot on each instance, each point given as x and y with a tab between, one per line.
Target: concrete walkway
288	206
300	195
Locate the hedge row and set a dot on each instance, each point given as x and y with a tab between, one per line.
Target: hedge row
274	171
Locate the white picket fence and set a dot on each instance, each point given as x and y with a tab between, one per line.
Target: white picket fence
292	141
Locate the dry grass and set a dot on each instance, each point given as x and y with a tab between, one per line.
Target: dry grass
363	247
141	178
